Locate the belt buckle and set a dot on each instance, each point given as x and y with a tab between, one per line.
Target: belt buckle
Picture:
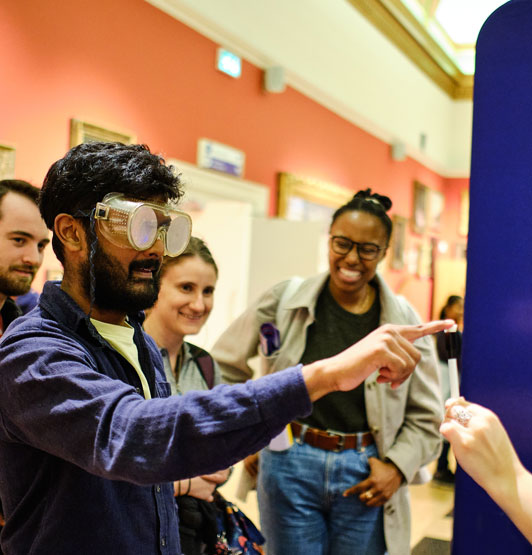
341	442
300	439
360	442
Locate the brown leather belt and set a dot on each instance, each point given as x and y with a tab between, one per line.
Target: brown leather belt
331	441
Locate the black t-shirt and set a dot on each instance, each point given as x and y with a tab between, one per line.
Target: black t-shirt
8	313
334	330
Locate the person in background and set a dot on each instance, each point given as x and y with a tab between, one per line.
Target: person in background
483	449
342	486
453	309
91	439
23	237
184	303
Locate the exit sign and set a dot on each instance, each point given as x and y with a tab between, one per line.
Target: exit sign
229	63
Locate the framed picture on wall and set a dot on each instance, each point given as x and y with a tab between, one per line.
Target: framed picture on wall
307	199
303	199
424	262
460	251
7	162
436	205
397	245
463	225
428	209
83	132
420	209
411	259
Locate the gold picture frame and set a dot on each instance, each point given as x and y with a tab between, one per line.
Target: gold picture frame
463	224
84	132
7	162
436	206
424	261
460	251
308	199
303	199
398	242
419	212
428	209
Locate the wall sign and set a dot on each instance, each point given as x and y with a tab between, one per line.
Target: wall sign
220	157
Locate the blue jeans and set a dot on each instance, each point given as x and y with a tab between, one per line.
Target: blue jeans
302	511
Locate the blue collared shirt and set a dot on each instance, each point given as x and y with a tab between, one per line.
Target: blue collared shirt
86	463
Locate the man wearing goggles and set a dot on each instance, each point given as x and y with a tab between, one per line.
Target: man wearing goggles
91	439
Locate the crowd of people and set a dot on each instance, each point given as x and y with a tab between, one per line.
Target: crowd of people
115	431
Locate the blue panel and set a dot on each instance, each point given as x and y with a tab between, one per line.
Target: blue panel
497	355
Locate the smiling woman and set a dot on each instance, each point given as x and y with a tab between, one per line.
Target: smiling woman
184	303
342	484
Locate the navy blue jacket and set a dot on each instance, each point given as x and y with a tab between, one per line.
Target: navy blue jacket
86	463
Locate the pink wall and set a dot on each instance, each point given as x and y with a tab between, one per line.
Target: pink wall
126	65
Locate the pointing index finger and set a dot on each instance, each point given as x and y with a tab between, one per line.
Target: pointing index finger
411	333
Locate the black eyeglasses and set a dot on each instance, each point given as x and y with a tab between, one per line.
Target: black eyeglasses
365	251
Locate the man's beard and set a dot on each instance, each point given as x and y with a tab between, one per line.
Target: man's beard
13	285
116	290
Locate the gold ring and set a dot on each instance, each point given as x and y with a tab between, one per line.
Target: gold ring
369	495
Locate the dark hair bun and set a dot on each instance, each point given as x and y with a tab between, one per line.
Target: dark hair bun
368	196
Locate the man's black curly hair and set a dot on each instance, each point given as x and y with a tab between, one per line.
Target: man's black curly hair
88	172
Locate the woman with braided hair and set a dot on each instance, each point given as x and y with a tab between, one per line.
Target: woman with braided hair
341	488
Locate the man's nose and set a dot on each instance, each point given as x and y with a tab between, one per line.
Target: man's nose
157	249
33	255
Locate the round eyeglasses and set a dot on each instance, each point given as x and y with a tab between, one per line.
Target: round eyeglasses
366	251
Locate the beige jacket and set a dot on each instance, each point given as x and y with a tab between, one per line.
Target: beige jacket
404	421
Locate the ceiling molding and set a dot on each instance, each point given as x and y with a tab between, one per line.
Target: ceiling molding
187	12
394	20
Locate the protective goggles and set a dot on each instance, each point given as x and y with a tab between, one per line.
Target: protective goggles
138	224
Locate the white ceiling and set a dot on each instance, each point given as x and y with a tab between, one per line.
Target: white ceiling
462	19
455	25
332	54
